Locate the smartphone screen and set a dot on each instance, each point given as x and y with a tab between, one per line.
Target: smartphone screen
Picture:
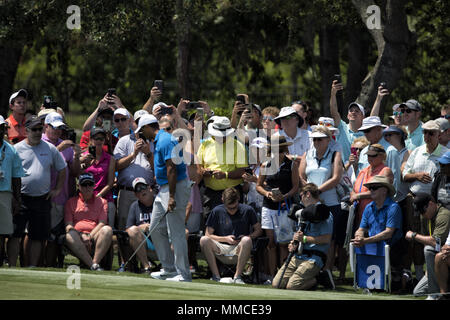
159	85
240	98
107	125
200	112
353	150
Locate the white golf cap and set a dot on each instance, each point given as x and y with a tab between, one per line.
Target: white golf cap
259	142
139	180
21	92
44	112
361	108
2	120
122	111
287	111
162	104
54	119
139	114
371	122
144	120
329	123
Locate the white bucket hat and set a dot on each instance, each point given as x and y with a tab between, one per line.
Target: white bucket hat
287	111
371	122
221	127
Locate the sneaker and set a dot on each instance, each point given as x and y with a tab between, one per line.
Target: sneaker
226	280
121	268
96	267
238	280
163	275
215	278
432	297
147	271
179	278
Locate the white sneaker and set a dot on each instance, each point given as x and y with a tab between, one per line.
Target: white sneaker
226	280
179	278
238	280
163	275
96	267
432	297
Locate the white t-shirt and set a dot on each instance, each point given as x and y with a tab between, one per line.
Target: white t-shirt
37	161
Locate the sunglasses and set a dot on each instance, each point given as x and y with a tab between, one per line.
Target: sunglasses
99	138
372	155
354	149
37	129
288	118
447	116
325	124
120	119
168	128
267	118
374	188
431	133
406	110
388	135
141	188
397	113
298	102
318	139
89	184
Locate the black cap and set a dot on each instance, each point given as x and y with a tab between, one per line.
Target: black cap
85	177
421	200
316	213
97	130
33	121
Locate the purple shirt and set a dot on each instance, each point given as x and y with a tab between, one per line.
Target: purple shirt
100	171
67	155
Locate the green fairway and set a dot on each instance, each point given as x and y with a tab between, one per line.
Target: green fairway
52	285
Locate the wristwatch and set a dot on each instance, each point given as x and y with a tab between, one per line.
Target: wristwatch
413	236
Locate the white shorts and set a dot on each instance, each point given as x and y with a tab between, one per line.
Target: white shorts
267	218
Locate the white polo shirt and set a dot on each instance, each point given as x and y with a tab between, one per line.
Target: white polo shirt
301	142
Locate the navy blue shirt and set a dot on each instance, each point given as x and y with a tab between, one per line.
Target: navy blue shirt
237	224
166	147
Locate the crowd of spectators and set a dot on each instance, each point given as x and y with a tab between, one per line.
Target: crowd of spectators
164	173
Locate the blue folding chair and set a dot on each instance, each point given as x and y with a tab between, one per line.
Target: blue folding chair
371	266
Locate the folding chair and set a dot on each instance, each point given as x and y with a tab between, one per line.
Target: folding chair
371	266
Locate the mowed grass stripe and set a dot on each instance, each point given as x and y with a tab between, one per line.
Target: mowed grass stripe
51	285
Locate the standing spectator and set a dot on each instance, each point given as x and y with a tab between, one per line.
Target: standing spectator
305	266
222	161
441	268
412	112
347	132
323	167
53	126
38	158
173	197
87	232
329	124
397	115
440	189
10	171
290	127
302	108
123	123
230	230
268	120
102	166
16	121
376	156
138	221
444	137
382	221
107	104
283	174
435	225
419	171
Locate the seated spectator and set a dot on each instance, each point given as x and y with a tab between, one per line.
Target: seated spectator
138	221
435	225
16	121
230	230
382	221
279	173
376	156
302	270
102	166
87	231
442	267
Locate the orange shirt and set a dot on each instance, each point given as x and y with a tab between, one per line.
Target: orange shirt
85	216
364	176
16	131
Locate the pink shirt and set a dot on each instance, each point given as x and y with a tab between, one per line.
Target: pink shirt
100	172
85	216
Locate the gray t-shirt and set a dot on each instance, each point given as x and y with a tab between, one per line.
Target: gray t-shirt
138	214
139	167
37	161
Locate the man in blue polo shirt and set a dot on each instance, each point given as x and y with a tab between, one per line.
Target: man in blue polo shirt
173	197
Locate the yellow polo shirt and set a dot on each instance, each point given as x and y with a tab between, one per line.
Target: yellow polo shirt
225	157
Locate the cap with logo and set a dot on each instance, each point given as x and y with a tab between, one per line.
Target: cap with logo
55	120
20	93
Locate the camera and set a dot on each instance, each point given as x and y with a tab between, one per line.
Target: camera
47	101
383	85
193	105
159	84
111	92
240	98
92	150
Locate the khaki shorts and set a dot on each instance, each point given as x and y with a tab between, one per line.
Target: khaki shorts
227	253
6	217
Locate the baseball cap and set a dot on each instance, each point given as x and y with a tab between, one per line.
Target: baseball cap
431	125
421	200
33	121
144	120
395	129
86	177
138	181
162	104
360	107
443	123
55	120
20	93
445	158
412	104
2	120
122	111
97	130
139	114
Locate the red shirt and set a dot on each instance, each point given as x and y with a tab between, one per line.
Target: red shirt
16	131
85	216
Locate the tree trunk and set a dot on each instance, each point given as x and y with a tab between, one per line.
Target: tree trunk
358	52
183	31
9	62
393	42
329	63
